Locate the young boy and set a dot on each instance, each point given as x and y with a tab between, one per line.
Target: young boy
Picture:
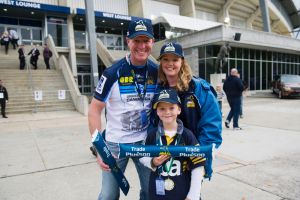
172	178
220	96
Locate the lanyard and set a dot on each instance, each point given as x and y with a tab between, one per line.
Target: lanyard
159	142
137	86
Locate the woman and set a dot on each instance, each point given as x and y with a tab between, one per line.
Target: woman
199	108
5	41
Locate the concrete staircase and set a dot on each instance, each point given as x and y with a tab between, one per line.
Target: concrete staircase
21	85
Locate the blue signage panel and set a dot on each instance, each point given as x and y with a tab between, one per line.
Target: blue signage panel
34	5
80	11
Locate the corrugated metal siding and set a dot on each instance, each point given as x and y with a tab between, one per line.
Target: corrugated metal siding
51	2
115	6
157	8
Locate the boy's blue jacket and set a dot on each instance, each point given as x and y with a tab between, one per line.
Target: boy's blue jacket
200	113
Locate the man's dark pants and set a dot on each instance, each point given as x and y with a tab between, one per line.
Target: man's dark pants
235	106
22	63
3	104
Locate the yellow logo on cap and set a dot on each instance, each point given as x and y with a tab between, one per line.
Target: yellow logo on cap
169	47
140	26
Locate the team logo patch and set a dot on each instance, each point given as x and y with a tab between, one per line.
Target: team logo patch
101	84
169	48
163	95
140	26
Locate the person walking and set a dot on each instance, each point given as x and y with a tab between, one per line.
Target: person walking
47	53
5	41
179	183
233	88
34	56
125	90
199	108
21	53
14	37
3	99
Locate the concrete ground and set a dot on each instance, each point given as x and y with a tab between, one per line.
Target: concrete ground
46	156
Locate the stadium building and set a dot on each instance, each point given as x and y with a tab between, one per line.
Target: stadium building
262	33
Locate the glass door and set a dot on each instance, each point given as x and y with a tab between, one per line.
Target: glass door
2	28
31	35
26	36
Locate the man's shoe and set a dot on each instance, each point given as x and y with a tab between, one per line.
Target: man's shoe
5	116
227	124
241	116
93	150
237	128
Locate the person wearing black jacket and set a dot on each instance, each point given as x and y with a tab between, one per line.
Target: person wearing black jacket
233	87
3	99
34	56
47	53
21	52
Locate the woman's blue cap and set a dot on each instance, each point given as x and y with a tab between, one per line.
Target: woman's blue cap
171	48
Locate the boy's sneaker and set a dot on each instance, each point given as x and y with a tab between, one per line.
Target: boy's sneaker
237	128
227	124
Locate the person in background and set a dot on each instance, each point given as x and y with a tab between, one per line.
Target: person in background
245	84
233	87
21	53
47	53
34	56
3	99
5	41
181	177
125	90
14	37
220	96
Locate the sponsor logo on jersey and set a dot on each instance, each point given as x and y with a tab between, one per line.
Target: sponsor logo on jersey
101	84
126	79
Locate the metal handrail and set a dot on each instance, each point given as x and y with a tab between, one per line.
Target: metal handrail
30	81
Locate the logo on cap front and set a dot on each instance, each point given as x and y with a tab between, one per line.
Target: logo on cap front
169	47
140	26
163	95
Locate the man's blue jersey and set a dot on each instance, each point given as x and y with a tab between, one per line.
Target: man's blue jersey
128	105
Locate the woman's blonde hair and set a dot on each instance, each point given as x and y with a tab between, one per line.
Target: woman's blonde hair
184	77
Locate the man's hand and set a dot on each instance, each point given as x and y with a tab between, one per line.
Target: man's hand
102	165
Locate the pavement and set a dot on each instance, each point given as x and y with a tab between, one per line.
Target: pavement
46	156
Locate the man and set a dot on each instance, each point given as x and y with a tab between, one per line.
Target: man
34	56
14	37
233	87
47	53
21	52
125	90
3	98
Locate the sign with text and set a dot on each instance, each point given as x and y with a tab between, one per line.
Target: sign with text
38	95
61	94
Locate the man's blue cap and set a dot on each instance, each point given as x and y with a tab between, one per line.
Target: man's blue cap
167	96
140	27
171	48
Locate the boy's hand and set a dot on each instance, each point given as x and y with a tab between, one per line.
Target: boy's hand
157	161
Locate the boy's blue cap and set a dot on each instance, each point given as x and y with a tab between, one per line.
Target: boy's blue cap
171	48
167	96
140	27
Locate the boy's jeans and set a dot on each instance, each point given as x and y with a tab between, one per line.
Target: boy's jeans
110	189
